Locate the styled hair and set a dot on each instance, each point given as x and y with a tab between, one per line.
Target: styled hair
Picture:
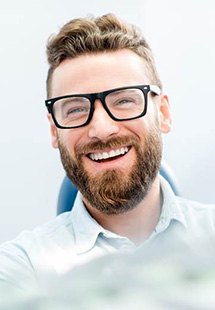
92	35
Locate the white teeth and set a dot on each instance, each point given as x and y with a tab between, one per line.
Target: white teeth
105	155
112	153
99	156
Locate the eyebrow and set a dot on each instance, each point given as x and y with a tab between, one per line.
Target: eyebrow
73	98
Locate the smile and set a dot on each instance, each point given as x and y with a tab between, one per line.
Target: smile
106	155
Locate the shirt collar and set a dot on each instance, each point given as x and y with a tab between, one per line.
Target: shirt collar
86	229
170	209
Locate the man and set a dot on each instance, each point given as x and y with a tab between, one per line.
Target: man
107	111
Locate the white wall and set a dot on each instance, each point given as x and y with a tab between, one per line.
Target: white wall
181	35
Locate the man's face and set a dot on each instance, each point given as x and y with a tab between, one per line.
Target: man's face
112	163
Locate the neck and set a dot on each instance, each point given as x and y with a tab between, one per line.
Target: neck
136	224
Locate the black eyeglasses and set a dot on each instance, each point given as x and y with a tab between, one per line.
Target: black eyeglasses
121	104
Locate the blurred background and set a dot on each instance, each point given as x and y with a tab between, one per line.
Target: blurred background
181	34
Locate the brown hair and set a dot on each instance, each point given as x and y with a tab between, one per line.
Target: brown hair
94	35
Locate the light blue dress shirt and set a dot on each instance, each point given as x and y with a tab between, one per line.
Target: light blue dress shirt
74	238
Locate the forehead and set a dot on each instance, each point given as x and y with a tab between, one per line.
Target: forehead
99	72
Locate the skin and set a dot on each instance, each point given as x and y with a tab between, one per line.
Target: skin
96	73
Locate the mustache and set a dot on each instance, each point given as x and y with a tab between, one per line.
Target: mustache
103	145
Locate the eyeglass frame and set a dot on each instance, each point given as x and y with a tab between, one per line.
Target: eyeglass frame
92	97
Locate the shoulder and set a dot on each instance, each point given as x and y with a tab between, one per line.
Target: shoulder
198	216
52	227
59	226
32	252
194	206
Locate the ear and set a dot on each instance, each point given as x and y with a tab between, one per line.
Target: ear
53	130
164	113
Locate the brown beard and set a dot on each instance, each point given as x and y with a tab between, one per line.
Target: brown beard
113	191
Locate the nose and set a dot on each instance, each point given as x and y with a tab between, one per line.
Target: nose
102	126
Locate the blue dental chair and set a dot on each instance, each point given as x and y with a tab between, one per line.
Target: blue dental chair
68	191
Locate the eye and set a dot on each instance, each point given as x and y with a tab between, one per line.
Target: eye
77	110
124	101
73	107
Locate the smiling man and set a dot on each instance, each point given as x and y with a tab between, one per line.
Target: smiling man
106	119
107	112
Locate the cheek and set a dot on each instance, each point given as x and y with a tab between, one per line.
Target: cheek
137	128
70	139
143	125
146	126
